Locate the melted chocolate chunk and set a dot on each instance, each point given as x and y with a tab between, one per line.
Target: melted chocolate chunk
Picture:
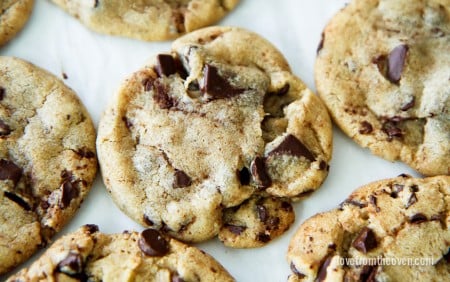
18	200
263	214
365	241
322	272
235	229
447	256
323	165
244	176
396	62
4	128
365	128
409	105
263	237
296	272
161	96
165	65
148	84
176	278
286	206
414	188
322	41
373	201
354	203
391	129
259	173
181	179
10	171
85	153
152	243
148	221
411	201
368	273
417	218
216	86
272	223
282	91
292	146
127	122
91	228
69	192
72	264
2	93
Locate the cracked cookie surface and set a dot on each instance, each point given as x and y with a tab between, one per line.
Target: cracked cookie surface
89	255
216	138
147	19
383	70
394	219
47	158
13	16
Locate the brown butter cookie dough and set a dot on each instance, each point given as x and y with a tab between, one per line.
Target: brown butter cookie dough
89	255
201	140
147	19
13	16
383	70
395	219
47	158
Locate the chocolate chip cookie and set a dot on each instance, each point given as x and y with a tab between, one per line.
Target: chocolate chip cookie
47	158
391	230
149	19
13	16
215	138
383	70
89	255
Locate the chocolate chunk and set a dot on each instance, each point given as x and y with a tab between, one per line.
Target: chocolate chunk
235	229
414	188
417	218
177	278
365	128
148	84
181	179
263	215
283	90
365	241
72	264
322	41
193	86
165	65
380	61
259	173
127	122
322	272
391	129
10	171
272	223
21	202
96	3
292	146
148	221
244	176
69	192
2	93
216	86
409	105
368	273
296	272
331	246
404	175
91	228
396	62
323	165
263	237
4	128
161	96
64	75
354	203
152	243
85	153
447	256
398	187
286	206
373	201
411	201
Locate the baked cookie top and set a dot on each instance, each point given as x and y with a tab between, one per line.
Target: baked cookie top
13	16
383	70
147	19
389	221
216	137
47	158
89	255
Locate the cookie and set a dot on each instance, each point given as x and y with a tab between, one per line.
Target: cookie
383	70
149	20
13	16
391	230
216	137
47	158
89	255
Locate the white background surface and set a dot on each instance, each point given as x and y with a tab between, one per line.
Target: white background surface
97	64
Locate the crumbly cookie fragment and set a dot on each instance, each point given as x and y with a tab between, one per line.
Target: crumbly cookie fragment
202	138
47	158
149	19
89	255
403	220
383	70
13	16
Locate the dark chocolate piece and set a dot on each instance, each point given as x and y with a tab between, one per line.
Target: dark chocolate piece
244	176
18	200
263	214
2	93
296	272
235	229
292	146
365	241
10	171
409	105
72	264
165	65
259	173
417	218
263	237
322	272
4	128
396	62
152	243
216	86
365	128
161	96
69	192
181	179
